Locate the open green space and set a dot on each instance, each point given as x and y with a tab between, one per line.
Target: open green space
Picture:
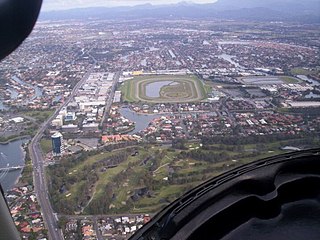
39	116
126	89
312	73
186	88
288	79
146	178
46	145
208	87
28	127
300	71
27	172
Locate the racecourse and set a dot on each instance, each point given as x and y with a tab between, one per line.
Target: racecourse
187	88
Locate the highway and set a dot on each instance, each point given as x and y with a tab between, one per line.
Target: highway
110	97
39	178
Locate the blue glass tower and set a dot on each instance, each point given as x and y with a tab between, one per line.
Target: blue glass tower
57	144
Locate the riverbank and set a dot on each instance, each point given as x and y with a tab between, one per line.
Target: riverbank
14	138
14	154
24	205
26	174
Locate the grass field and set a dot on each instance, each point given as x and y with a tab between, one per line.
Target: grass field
188	172
300	71
46	145
288	79
39	116
165	172
186	88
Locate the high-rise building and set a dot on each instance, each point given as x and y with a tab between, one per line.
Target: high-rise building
57	144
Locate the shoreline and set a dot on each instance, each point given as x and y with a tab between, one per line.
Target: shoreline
24	151
22	148
15	139
16	183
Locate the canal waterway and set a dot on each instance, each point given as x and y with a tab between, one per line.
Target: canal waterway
11	155
229	58
141	120
2	106
13	93
38	91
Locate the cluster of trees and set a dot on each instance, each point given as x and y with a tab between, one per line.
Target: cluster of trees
6	140
253	139
154	161
110	161
60	184
61	181
137	177
222	147
200	175
26	175
179	144
102	204
208	156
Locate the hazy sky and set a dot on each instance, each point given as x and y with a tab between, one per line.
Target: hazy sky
49	5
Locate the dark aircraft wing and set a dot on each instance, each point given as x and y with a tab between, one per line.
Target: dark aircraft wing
17	18
8	228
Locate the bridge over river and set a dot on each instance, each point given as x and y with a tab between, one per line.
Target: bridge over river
9	169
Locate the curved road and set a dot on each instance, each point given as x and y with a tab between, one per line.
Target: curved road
39	178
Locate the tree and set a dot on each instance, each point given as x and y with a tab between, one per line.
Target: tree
179	144
62	222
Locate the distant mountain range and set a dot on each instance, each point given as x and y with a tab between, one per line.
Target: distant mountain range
305	11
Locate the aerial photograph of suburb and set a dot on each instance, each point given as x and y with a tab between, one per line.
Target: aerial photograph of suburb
160	119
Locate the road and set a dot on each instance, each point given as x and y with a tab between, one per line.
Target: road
39	178
110	97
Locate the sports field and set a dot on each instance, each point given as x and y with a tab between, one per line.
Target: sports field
164	89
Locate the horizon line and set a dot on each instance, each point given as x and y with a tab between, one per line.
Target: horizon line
44	10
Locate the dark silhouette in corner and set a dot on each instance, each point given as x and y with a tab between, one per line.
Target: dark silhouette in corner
17	19
266	199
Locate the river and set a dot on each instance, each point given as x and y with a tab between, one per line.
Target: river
38	91
228	58
11	155
14	93
3	107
